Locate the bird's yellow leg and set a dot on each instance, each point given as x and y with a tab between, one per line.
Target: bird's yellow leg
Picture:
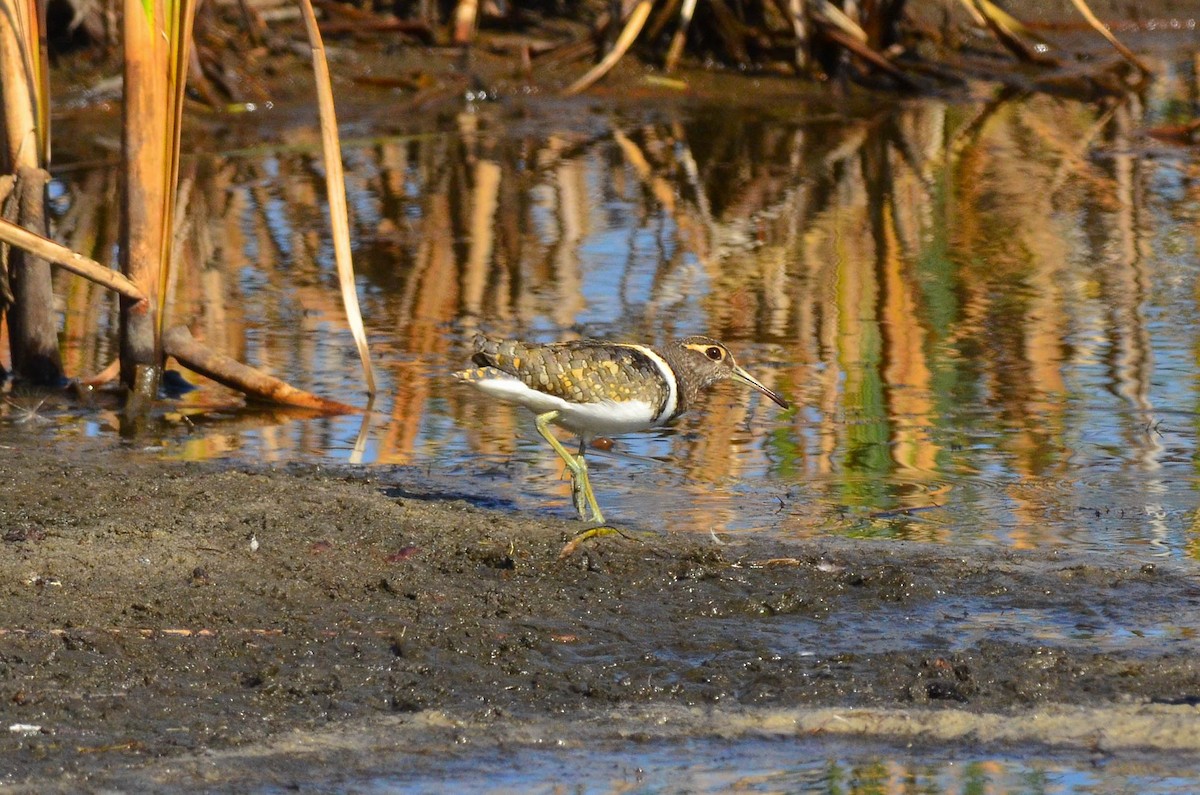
579	497
580	483
581	488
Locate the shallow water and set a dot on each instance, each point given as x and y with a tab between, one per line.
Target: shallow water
986	312
776	766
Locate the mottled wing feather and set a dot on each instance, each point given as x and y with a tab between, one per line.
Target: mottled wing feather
583	371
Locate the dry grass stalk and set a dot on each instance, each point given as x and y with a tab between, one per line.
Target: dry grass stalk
464	21
106	376
255	27
33	333
146	124
64	257
1100	27
628	35
798	13
335	184
675	51
734	34
853	45
658	22
830	14
1010	23
1006	29
40	69
179	36
179	342
32	323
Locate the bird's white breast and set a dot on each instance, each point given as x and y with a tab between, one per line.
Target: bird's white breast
586	419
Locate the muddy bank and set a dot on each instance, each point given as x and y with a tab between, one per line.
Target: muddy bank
157	613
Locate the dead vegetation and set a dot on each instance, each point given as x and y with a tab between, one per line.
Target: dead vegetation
156	58
884	44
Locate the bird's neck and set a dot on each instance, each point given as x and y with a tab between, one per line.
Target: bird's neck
687	388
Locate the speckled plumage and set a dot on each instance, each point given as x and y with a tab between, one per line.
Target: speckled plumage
580	371
593	387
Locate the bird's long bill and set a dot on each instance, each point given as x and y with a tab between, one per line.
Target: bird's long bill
741	375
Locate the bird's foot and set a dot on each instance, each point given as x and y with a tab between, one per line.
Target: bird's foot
592	532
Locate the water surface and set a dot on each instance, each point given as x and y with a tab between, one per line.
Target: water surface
985	311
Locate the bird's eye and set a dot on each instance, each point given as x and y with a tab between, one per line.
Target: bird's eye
714	353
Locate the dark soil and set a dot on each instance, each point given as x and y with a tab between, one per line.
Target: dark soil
157	610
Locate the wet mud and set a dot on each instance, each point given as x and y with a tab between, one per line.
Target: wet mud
183	623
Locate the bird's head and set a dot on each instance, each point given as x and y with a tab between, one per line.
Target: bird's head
708	361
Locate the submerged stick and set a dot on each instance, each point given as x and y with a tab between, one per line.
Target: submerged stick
179	342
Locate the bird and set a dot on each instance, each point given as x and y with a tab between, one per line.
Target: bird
596	388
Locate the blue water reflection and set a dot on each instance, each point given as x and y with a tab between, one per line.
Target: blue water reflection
773	766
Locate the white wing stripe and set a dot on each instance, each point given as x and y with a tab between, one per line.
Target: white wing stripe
668	376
